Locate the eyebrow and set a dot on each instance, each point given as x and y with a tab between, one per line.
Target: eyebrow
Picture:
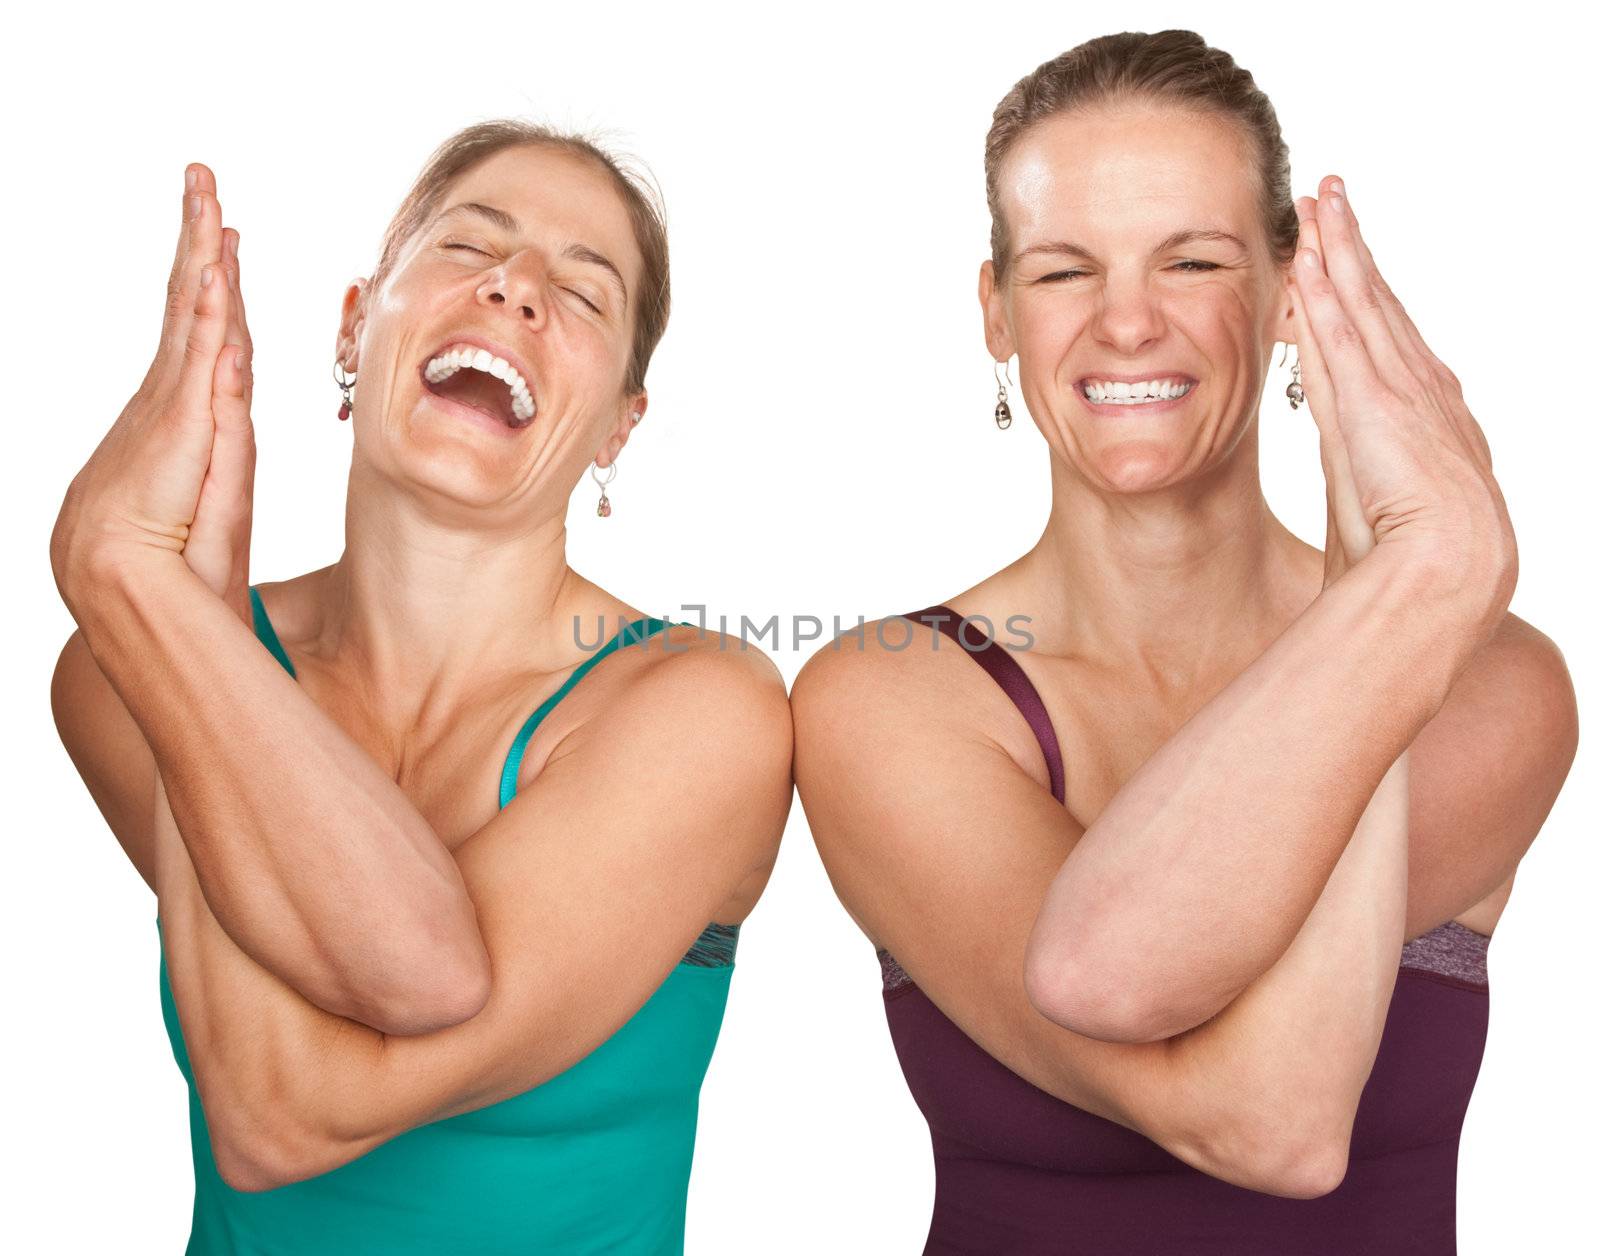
577	252
1177	238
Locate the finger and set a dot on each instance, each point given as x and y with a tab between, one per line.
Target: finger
1353	284
204	338
1344	503
237	333
180	301
191	179
204	248
233	446
1314	378
1353	377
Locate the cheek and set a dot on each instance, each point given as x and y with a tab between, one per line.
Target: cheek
1046	329
1219	319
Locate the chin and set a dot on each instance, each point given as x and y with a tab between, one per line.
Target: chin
1137	467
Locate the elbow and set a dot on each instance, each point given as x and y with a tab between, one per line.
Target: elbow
1287	1154
1092	999
450	995
262	1153
1307	1171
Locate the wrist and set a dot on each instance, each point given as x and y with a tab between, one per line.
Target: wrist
105	586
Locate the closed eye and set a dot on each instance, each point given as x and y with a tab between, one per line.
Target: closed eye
584	299
469	248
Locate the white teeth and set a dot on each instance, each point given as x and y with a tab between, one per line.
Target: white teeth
462	358
1120	393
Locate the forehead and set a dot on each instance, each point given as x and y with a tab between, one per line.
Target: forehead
554	195
1127	172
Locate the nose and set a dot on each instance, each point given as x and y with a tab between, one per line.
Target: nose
1129	317
517	283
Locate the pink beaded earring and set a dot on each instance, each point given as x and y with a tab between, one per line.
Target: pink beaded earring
346	383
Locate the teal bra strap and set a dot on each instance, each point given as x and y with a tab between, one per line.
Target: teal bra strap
628	634
266	633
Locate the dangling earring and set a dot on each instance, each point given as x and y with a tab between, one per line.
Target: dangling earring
1294	391
1002	412
604	508
346	383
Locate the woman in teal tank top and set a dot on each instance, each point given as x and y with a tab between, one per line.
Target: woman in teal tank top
595	1159
441	975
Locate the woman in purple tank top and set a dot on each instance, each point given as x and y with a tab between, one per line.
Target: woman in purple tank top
1183	921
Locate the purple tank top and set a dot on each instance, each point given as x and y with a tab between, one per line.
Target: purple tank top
1019	1171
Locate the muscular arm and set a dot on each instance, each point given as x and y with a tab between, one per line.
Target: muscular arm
1206	863
590	886
313	860
942	847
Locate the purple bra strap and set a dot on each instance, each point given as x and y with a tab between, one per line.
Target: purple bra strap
1008	674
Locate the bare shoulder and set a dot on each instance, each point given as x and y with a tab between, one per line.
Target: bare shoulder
1485	773
913	692
703	707
882	667
1519	678
695	674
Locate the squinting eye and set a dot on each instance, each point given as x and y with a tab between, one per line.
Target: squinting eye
1198	266
584	299
1059	274
469	248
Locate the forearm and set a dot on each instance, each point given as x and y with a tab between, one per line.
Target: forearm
311	858
257	1049
1269	1086
1204	866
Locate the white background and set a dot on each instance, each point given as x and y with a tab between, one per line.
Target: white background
819	442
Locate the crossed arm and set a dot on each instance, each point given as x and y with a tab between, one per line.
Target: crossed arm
1261	1091
316	864
577	933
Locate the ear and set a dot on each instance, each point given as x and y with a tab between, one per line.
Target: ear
1282	325
352	321
632	412
996	320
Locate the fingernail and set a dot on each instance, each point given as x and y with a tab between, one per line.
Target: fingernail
205	276
189	176
1336	203
1337	187
238	361
1307	257
194	207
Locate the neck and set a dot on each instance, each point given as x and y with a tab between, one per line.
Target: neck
1179	584
428	613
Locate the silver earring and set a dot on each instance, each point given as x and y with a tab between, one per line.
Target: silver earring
1295	393
1002	412
346	383
604	508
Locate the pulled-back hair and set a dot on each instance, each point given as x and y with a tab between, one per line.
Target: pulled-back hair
640	196
1170	67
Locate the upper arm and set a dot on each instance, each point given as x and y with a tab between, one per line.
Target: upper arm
589	888
942	846
108	749
1486	770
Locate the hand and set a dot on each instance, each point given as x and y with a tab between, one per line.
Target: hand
140	491
1406	463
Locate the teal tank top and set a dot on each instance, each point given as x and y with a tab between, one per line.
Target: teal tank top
596	1159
